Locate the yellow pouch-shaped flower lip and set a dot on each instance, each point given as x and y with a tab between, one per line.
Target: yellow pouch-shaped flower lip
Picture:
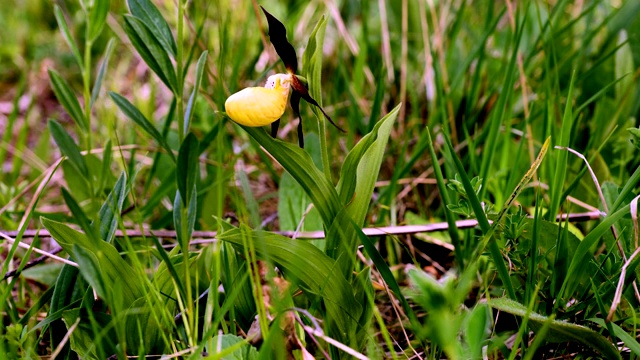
260	106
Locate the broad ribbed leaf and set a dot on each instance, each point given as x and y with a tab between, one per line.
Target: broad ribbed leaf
116	273
361	168
90	269
149	14
357	179
151	50
67	99
300	165
309	265
559	331
83	338
134	114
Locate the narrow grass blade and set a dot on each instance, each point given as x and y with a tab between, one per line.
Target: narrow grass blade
621	334
170	268
444	194
487	230
580	257
561	158
503	109
385	272
626	190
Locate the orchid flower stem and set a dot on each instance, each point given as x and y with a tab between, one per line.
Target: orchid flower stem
322	130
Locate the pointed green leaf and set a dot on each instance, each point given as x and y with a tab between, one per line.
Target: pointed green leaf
134	114
149	14
361	168
68	147
111	209
90	269
357	180
187	174
97	18
312	60
78	214
101	71
66	34
184	222
115	272
194	93
151	50
83	338
68	99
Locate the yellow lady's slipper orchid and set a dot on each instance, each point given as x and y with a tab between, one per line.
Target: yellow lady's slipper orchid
260	106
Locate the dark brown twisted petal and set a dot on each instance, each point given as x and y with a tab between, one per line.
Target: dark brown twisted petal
303	92
295	106
278	37
274	128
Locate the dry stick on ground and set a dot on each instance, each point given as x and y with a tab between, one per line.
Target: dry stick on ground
204	237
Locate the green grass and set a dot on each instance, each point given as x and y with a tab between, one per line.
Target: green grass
172	218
